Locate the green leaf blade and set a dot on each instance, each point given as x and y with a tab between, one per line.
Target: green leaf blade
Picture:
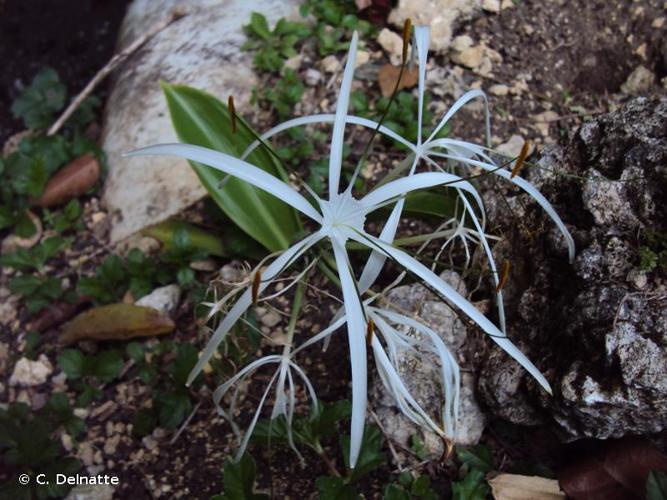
203	120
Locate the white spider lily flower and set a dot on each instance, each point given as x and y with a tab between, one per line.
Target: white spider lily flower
388	363
340	217
285	398
457	151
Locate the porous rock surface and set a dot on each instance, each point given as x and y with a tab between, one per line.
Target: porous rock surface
421	374
202	50
597	328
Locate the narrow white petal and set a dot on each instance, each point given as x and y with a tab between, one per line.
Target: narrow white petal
449	368
376	260
451	295
280	405
356	330
242	304
336	152
395	383
323	334
326	118
460	102
306	382
251	427
222	389
414	182
422	38
238	168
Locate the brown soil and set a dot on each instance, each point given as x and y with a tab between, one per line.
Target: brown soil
74	38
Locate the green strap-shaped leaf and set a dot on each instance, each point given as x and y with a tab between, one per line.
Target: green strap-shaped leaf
201	119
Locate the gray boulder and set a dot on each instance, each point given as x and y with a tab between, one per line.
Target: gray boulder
597	328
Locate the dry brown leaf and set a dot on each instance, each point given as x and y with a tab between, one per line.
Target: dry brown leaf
517	487
116	322
388	75
71	181
613	470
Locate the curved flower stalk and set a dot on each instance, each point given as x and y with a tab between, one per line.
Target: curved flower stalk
341	217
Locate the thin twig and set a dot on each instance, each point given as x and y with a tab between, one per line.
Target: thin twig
389	438
185	424
116	60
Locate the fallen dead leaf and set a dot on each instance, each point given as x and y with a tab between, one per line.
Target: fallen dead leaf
116	322
388	75
55	314
71	181
615	470
517	487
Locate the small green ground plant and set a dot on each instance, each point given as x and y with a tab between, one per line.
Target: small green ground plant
28	445
26	171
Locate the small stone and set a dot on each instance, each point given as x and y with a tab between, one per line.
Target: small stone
294	62
81	413
462	43
164	299
528	29
470	58
499	89
4	356
270	319
392	45
232	273
543	120
512	147
149	442
330	64
91	492
86	453
506	4
658	22
312	77
492	6
66	441
639	81
206	265
98	217
637	278
28	373
111	444
362	58
641	51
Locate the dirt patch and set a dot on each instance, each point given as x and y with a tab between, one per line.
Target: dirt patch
75	39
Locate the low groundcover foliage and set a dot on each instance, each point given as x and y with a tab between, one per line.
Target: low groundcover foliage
340	219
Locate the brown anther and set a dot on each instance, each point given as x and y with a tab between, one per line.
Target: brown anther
232	112
370	331
521	159
255	286
449	449
504	275
407	31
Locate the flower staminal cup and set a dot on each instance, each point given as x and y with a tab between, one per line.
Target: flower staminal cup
340	219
